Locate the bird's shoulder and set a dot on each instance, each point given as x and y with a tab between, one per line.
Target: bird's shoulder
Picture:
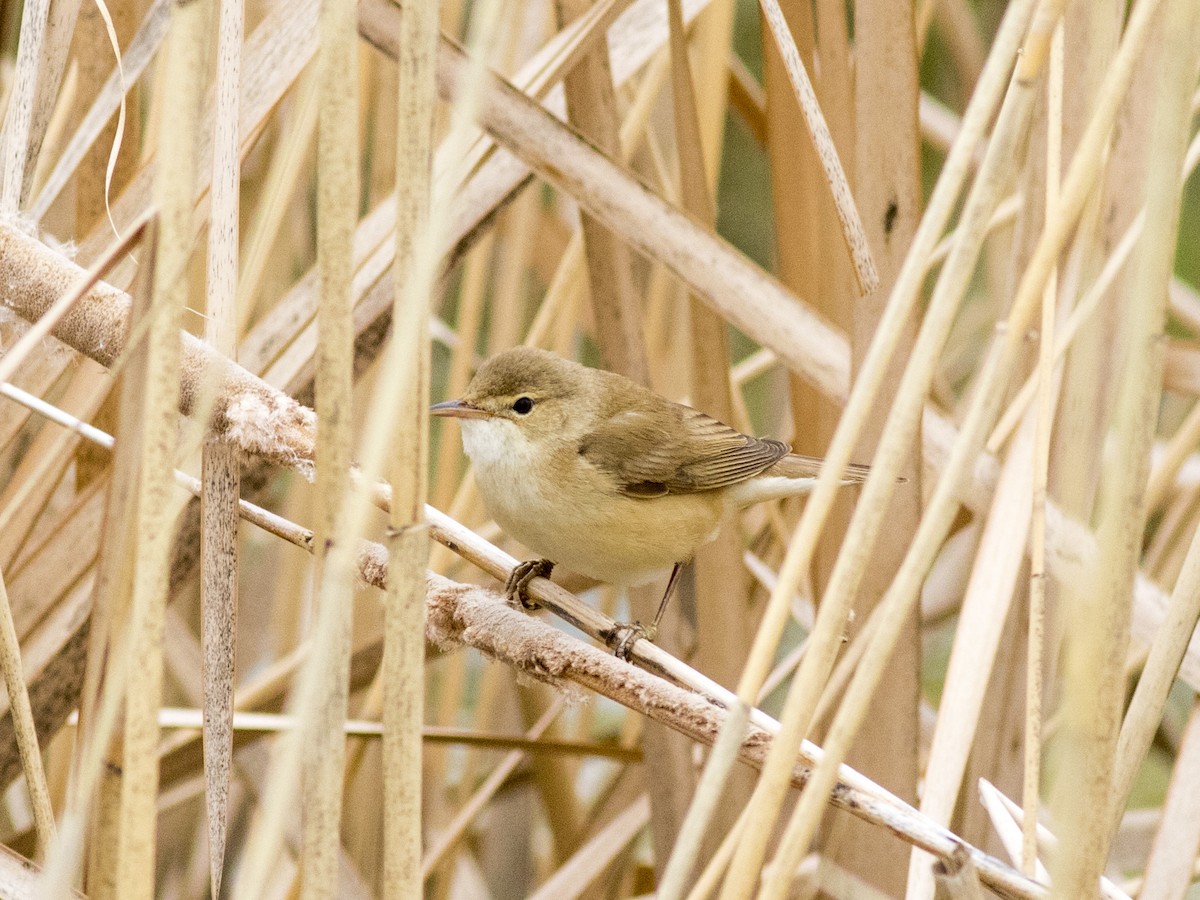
651	447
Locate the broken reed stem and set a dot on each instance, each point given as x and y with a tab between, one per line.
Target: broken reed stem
403	667
1036	641
45	325
261	420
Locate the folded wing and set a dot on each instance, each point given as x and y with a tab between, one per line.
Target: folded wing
676	450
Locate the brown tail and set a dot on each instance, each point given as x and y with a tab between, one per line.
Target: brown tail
796	466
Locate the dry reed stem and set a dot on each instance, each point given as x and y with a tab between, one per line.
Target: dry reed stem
903	297
1170	866
546	653
1158	674
134	60
52	63
221	462
324	748
1034	669
1010	834
567	327
868	515
984	611
1007	816
23	724
182	80
888	186
721	632
985	608
746	296
1093	678
852	229
592	108
875	804
982	411
96	345
34	480
18	120
280	184
403	664
575	875
275	53
261	420
455	831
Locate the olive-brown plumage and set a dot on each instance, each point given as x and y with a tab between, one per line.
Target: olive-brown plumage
599	474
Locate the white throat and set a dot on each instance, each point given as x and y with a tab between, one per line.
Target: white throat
494	443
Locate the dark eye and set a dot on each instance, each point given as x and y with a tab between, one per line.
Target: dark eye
523	406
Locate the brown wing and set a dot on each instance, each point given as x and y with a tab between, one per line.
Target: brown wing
677	450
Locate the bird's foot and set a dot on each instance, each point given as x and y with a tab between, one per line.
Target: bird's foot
622	636
517	586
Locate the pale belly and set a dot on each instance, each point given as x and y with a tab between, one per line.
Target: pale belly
622	540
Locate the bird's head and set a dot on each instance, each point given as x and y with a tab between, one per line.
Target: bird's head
519	400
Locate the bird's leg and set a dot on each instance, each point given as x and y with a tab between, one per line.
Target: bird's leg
623	635
662	604
517	586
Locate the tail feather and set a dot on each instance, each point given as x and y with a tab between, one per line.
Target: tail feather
796	466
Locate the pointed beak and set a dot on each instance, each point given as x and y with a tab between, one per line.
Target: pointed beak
459	409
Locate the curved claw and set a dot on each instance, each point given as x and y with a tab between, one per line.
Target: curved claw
622	636
517	586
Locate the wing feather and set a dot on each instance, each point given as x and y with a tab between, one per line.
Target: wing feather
676	450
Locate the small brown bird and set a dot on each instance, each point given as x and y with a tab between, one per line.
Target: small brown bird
595	472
